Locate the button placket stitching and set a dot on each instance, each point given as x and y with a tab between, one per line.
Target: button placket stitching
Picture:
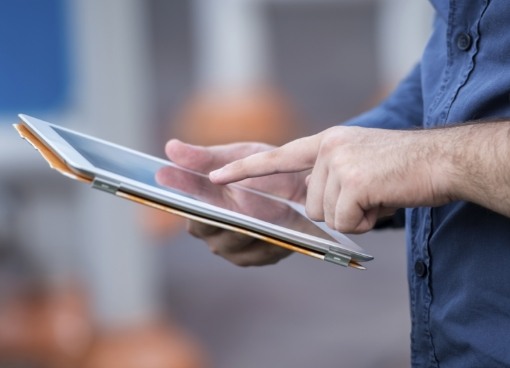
428	288
470	66
446	74
414	253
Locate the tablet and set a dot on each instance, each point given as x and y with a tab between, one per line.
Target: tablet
134	175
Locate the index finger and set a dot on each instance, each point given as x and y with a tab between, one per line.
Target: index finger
297	155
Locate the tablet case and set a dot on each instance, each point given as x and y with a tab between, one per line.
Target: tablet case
56	163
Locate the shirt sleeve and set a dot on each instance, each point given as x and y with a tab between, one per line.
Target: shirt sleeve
403	109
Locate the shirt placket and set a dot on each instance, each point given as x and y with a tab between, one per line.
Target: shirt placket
462	47
420	292
462	41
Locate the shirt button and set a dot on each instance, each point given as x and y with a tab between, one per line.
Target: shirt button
420	268
464	41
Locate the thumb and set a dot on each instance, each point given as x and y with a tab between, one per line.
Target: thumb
196	158
205	159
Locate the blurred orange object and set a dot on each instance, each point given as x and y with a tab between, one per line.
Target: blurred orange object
149	346
55	330
260	114
212	117
48	328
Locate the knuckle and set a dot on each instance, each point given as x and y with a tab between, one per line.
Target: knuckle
273	254
272	156
214	249
242	262
193	228
353	226
237	166
343	222
199	230
328	143
342	227
331	224
354	179
333	137
337	161
314	213
362	228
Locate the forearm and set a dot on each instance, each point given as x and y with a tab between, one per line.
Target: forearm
473	164
360	175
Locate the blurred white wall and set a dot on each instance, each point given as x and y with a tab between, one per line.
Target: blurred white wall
71	230
403	28
114	103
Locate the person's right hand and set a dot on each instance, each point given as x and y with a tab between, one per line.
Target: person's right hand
239	249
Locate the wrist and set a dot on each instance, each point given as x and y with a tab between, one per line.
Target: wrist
473	157
443	160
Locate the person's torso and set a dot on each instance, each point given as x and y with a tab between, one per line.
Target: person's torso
459	254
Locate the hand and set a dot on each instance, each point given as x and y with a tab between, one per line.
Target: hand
237	248
358	176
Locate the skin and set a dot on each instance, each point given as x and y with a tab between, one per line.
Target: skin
356	175
236	248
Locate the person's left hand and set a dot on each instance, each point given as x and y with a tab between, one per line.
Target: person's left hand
238	248
358	176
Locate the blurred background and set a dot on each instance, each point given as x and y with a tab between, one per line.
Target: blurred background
89	280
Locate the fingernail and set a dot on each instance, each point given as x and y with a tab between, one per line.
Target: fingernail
214	175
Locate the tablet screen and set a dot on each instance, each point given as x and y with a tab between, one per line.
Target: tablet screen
150	171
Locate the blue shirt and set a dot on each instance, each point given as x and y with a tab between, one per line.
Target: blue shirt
458	254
